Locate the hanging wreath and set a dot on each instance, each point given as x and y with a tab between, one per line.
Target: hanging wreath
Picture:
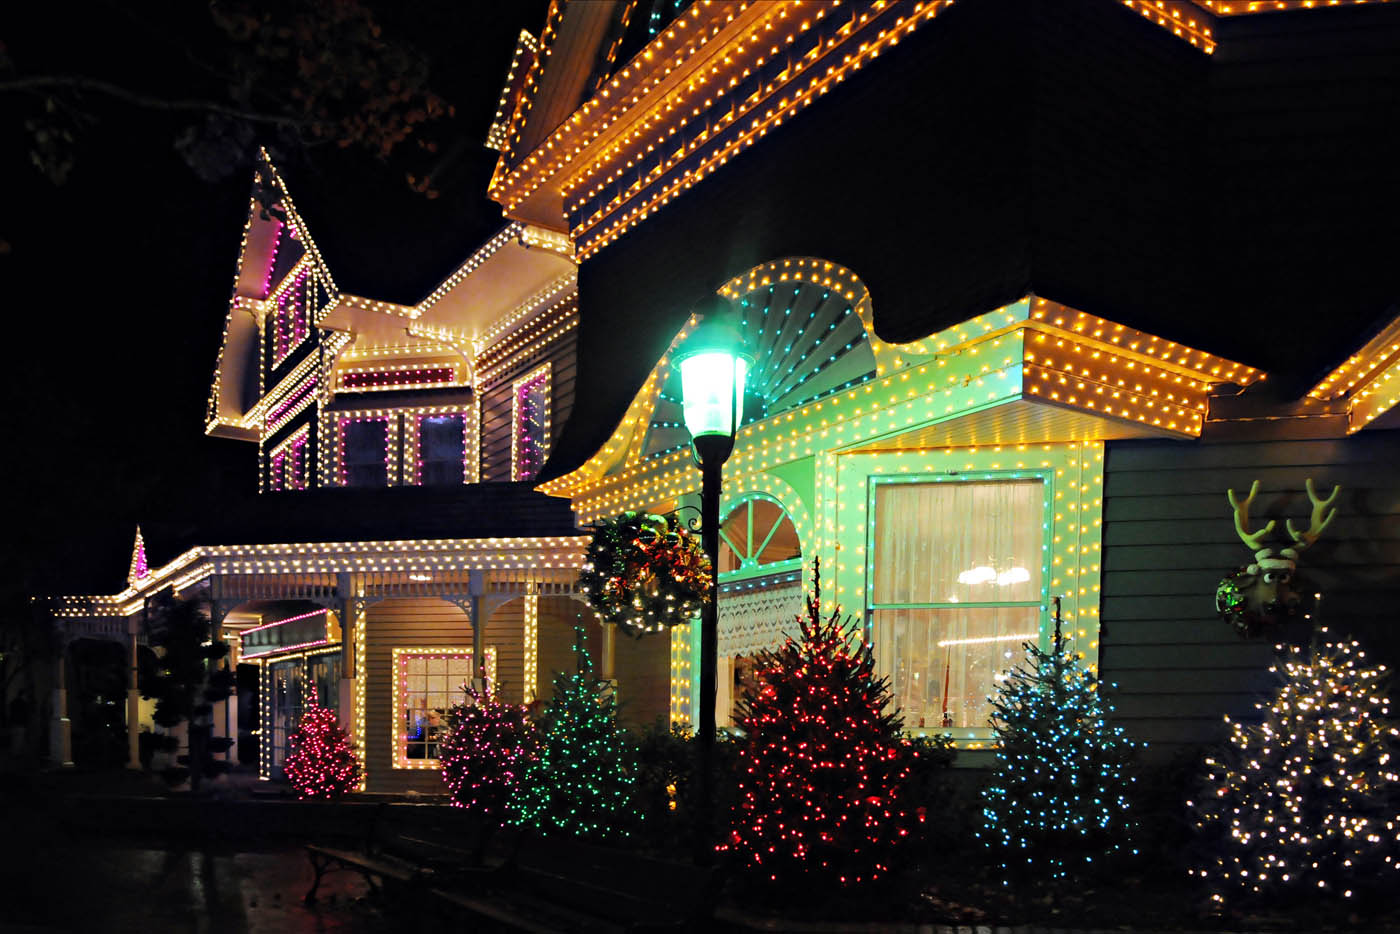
1237	600
645	573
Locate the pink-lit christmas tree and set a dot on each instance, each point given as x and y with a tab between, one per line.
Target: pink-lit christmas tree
322	763
488	748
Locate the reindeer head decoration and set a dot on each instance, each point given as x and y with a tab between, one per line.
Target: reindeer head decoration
1264	592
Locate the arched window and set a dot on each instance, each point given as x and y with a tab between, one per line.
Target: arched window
757	537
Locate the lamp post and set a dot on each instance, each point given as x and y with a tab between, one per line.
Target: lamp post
713	367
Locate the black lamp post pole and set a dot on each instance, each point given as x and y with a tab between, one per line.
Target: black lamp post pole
712	452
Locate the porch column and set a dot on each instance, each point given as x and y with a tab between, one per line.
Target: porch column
531	648
476	586
133	693
608	652
60	729
351	619
225	713
229	719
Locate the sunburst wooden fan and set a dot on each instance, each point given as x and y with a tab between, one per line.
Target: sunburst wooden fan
807	342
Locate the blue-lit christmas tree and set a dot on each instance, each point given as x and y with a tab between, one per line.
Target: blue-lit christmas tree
1303	803
581	783
1057	804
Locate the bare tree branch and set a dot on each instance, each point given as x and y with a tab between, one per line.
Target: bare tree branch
137	99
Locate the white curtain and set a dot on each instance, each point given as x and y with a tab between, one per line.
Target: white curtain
943	545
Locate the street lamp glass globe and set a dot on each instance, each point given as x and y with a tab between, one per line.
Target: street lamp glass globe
712	389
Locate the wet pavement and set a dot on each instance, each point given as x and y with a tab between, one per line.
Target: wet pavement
110	886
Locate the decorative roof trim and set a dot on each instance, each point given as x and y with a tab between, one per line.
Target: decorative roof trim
1369	379
1061	356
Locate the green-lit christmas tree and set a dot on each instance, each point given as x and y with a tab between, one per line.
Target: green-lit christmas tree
822	771
1057	804
1303	804
581	783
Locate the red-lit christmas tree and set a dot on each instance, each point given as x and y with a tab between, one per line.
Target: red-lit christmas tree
322	763
488	748
822	772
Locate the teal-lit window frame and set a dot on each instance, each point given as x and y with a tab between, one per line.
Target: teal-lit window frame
751	569
1046	476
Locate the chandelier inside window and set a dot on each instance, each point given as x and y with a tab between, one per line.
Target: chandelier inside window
986	574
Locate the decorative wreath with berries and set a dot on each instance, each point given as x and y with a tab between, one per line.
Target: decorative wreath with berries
645	573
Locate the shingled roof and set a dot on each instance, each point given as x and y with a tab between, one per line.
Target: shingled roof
486	510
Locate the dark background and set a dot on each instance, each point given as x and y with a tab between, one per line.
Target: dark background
116	283
1243	203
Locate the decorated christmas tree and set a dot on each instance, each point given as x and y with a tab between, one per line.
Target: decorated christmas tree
489	747
821	801
1304	802
1057	804
581	783
322	763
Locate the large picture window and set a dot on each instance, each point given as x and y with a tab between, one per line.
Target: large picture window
956	586
427	683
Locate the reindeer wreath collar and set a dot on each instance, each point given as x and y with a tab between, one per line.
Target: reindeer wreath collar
1266	591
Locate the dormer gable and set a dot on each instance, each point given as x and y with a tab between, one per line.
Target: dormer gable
277	257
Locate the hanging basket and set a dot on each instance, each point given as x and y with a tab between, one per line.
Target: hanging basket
645	573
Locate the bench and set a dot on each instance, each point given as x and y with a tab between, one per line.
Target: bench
559	885
413	844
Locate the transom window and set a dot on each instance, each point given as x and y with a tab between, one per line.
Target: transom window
427	683
956	585
756	535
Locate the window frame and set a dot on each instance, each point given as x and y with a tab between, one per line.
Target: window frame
885	666
393	433
541	372
749	566
413	441
398	748
282	462
290	311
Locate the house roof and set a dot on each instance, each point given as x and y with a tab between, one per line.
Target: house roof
1240	202
488	510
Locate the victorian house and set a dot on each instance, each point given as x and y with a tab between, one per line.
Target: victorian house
1028	286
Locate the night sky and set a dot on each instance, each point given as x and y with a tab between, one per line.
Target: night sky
116	283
